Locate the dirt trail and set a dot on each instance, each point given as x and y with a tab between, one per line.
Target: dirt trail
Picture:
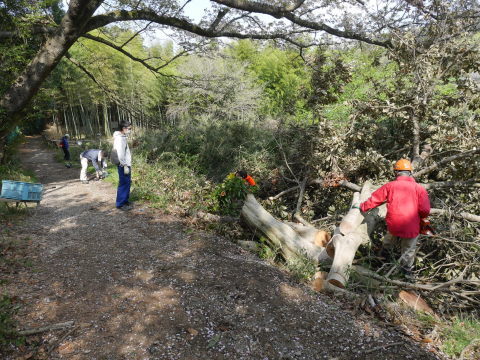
141	285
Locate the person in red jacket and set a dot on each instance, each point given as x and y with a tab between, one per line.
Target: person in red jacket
407	203
248	179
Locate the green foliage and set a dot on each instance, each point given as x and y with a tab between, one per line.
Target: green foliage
281	73
228	196
13	171
461	333
343	78
301	267
8	334
21	16
266	251
168	183
218	147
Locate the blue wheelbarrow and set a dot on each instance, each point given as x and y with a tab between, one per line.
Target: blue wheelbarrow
18	192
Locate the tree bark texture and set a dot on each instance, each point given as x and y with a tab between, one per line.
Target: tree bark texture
293	240
353	231
50	53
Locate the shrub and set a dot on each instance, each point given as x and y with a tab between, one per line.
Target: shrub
229	195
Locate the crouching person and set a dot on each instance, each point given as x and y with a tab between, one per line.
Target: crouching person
99	162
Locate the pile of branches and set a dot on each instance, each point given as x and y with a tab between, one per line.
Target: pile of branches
447	263
316	189
446	275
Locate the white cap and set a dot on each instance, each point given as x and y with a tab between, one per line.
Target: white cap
67	135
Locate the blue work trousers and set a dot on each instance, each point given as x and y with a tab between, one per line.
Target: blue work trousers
123	190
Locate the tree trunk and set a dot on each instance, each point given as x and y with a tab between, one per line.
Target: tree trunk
15	98
354	230
293	240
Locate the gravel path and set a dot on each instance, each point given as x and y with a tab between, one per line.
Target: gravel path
141	285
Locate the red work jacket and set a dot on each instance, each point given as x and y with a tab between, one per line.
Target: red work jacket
407	202
250	180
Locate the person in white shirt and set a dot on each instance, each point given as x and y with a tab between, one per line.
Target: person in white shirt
124	164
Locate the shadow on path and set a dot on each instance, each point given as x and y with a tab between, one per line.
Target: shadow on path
141	285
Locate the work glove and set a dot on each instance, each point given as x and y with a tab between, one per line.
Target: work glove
425	227
126	170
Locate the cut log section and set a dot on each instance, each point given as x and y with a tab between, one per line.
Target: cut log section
353	231
291	239
294	240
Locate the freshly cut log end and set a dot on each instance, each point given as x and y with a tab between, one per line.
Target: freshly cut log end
322	238
330	248
414	301
318	283
337	280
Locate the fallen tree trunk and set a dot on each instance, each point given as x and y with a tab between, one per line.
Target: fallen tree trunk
291	239
294	240
353	231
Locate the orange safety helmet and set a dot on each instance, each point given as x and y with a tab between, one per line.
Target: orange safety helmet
403	165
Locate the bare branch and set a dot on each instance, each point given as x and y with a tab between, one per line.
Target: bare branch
351	186
296	4
81	67
416	137
450	184
279	12
221	14
136	34
279	195
149	15
460	215
418	159
427	287
300	196
183	7
134	58
430	168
